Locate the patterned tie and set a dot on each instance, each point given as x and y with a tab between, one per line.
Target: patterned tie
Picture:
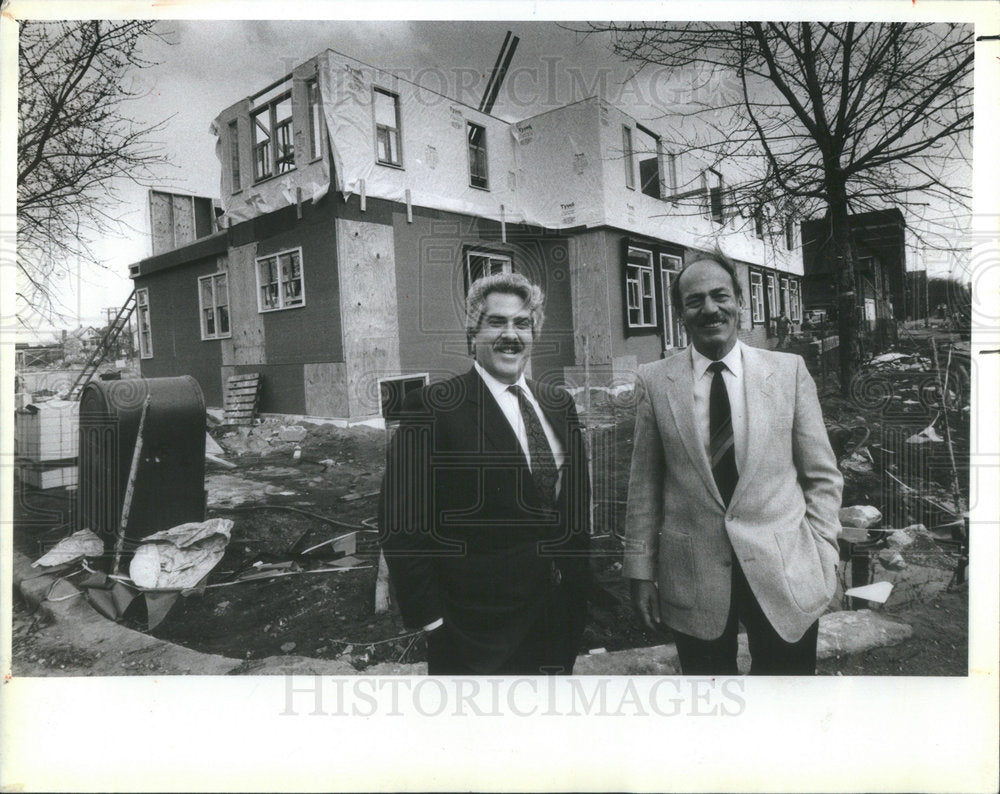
721	449
543	463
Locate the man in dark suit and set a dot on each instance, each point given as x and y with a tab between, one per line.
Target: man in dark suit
734	494
485	503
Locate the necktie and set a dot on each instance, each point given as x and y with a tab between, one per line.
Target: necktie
543	463
721	449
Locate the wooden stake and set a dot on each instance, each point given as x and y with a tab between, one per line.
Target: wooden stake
382	586
130	486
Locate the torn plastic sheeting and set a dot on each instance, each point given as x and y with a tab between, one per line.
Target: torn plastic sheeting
924	436
180	557
83	543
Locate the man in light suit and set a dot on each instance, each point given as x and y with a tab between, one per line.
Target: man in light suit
485	503
734	492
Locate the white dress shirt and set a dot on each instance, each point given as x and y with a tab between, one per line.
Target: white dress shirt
732	376
508	403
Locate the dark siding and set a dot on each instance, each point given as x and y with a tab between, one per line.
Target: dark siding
282	387
310	334
178	348
430	289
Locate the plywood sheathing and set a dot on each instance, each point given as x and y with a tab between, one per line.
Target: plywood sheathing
367	275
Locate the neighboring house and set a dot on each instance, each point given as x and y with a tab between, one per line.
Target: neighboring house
880	248
358	206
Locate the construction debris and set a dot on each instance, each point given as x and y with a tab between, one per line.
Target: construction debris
182	556
878	592
863	516
77	546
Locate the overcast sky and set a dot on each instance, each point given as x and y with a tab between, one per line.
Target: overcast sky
203	66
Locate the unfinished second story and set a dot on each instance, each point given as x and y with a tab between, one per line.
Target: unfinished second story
336	124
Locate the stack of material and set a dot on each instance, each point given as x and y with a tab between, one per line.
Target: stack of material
242	396
46	443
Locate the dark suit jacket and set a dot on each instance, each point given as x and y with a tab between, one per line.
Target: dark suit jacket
464	532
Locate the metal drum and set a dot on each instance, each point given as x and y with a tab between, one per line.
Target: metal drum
169	486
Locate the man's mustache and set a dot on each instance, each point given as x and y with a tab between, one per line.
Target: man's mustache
508	346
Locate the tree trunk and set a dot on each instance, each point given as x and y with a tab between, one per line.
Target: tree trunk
840	257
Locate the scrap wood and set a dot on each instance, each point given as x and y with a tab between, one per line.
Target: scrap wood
343	543
130	484
276	574
382	594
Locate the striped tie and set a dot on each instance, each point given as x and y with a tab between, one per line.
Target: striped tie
543	462
721	449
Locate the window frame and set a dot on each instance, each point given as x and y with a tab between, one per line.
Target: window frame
275	131
645	276
785	293
142	309
212	278
772	299
314	105
261	308
674	334
795	299
628	156
657	151
715	195
424	377
398	129
757	298
470	147
789	233
501	256
235	174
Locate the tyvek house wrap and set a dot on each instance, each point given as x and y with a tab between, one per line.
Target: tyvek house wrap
435	163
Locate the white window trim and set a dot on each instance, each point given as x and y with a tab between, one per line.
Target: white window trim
376	89
486	155
508	262
785	296
261	309
756	296
142	302
211	277
426	376
628	154
795	301
269	108
672	267
646	322
771	294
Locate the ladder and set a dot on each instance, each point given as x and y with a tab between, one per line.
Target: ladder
111	335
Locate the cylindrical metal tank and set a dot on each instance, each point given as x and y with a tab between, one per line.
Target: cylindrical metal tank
170	480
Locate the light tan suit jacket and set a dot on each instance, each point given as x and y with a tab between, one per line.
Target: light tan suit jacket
781	524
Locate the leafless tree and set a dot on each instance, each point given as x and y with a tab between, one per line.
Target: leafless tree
845	117
76	144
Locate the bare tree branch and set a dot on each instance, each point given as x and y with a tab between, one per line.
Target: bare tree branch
76	145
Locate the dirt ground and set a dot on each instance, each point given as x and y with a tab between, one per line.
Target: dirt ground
283	502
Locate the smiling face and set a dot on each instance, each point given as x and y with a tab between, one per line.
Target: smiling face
709	308
504	337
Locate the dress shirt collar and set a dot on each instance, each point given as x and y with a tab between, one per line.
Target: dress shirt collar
496	387
733	361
